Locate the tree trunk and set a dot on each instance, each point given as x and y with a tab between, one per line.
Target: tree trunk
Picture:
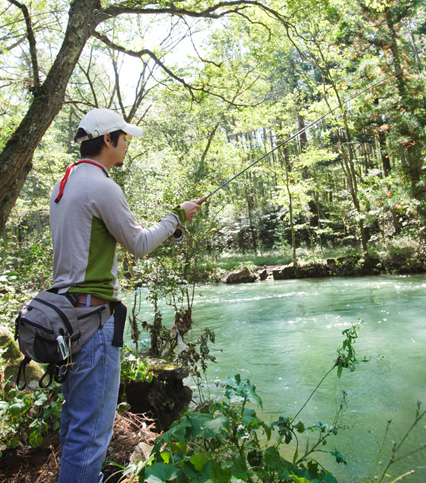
16	158
383	154
290	208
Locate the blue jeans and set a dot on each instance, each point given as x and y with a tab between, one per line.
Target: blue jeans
88	411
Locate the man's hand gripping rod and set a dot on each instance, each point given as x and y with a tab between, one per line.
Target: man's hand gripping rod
179	233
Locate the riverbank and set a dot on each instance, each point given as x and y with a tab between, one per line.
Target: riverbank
396	256
132	432
345	266
146	408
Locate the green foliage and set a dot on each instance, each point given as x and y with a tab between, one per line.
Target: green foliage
195	355
134	368
26	417
346	358
353	180
228	442
171	272
266	82
254	83
25	268
238	391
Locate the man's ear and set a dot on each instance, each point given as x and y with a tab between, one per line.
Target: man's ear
107	139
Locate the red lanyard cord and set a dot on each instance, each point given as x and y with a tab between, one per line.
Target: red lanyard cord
67	174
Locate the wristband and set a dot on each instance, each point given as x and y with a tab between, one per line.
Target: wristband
180	212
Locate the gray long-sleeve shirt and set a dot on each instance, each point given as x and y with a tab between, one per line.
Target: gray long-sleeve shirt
86	225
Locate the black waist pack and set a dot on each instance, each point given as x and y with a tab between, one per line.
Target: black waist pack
49	329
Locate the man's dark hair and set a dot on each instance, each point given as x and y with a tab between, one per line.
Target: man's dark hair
93	147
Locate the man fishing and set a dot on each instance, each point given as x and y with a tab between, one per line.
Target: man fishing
89	215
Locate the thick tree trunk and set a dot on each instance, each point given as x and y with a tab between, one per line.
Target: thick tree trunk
15	159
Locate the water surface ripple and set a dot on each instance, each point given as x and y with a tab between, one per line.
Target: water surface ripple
283	337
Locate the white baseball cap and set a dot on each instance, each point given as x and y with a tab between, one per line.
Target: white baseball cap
98	122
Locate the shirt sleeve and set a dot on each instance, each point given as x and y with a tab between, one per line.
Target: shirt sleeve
114	210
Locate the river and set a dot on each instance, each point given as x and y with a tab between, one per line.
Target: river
283	336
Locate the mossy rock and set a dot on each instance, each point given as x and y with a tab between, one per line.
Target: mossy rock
164	398
14	356
284	273
243	276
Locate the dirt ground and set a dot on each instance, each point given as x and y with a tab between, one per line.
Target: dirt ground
41	465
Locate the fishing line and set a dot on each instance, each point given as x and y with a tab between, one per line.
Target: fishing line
178	235
301	131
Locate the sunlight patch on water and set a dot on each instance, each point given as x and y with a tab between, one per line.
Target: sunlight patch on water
255	298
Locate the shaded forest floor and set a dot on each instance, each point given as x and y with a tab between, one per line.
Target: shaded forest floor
41	465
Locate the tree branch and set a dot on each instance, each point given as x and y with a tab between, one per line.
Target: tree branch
89	80
219	10
138	54
31	42
11	47
141	92
117	85
205	61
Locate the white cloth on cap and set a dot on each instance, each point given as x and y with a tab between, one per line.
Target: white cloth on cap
98	122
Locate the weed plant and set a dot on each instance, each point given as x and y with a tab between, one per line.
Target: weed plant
26	417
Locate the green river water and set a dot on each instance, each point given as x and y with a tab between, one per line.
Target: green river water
283	336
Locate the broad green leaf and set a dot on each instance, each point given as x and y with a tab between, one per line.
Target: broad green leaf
237	390
276	462
329	479
199	460
215	426
41	399
249	417
178	432
220	471
36	439
160	473
199	421
18	407
239	469
188	469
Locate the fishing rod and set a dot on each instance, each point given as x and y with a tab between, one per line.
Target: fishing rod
178	235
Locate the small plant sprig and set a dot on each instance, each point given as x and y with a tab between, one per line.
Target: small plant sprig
396	448
346	358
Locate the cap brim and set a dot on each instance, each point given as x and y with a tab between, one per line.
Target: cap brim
133	130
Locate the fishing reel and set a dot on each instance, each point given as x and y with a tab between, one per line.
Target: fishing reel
179	235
